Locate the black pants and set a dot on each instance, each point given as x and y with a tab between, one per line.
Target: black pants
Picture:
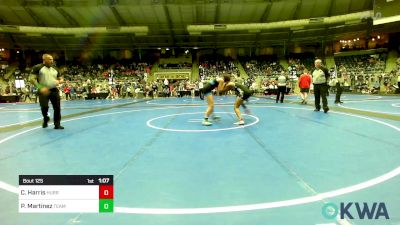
339	91
54	98
320	91
281	93
26	96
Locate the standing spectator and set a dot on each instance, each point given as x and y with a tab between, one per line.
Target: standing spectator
166	83
46	78
128	90
154	89
172	90
281	87
123	90
67	92
201	84
304	85
320	78
137	90
386	83
292	78
73	92
34	93
339	88
166	91
26	93
376	87
117	90
398	82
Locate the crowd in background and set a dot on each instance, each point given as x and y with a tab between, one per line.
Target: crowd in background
216	65
262	66
363	74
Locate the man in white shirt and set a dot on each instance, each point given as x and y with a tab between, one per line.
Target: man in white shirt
281	87
320	78
166	83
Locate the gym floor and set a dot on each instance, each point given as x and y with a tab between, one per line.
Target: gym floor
281	168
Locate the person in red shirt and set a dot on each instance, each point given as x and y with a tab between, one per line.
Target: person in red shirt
67	91
304	85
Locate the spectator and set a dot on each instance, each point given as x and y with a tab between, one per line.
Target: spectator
339	88
304	85
398	82
166	83
154	89
281	87
67	92
376	87
386	83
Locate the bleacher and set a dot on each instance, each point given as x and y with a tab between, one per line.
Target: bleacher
174	68
366	64
301	60
364	73
215	65
362	70
263	66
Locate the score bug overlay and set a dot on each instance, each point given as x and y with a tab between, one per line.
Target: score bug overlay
66	194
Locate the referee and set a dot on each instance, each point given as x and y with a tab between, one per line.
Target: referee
320	77
46	78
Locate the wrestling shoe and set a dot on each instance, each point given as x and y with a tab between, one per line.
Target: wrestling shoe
206	123
240	122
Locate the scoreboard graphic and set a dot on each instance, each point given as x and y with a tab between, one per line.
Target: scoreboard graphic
66	194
